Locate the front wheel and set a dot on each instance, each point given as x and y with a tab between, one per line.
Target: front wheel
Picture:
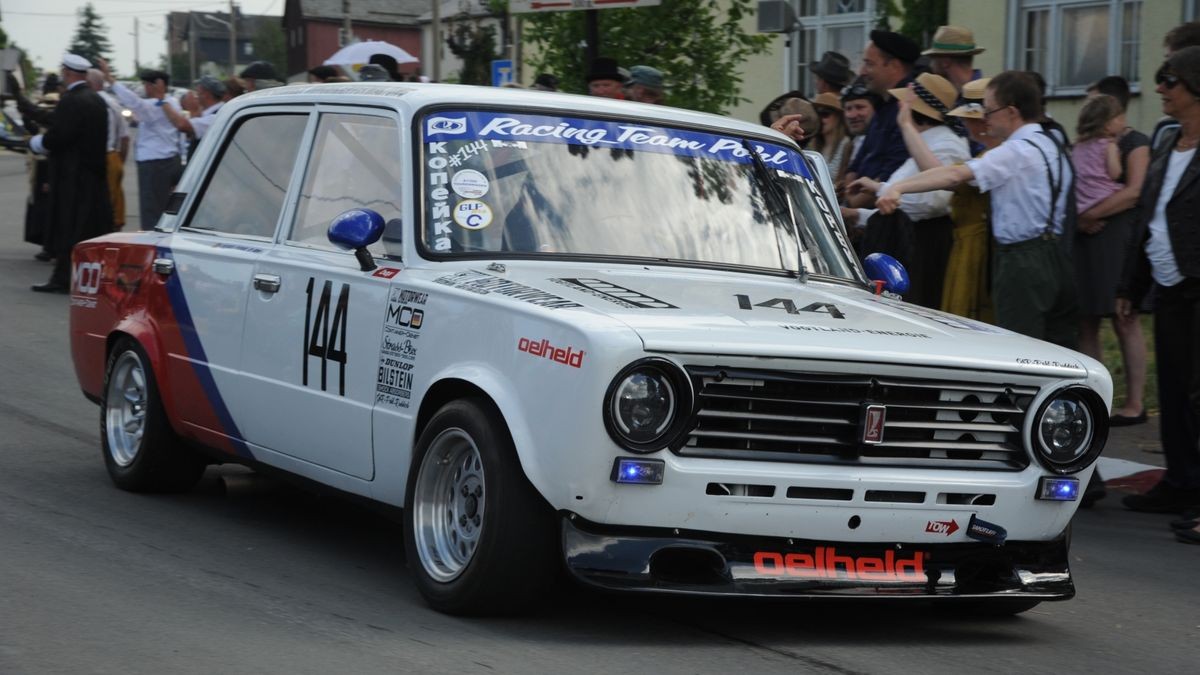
478	537
141	451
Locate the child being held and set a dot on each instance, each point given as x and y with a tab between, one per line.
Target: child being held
1096	156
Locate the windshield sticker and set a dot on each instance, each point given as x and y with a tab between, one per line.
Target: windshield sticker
467	152
398	348
438	179
472	214
484	284
618	295
863	331
511	127
470	184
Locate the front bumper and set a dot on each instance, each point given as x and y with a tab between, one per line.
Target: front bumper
706	563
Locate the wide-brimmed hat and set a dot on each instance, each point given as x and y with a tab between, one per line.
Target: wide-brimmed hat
953	41
833	67
930	88
971	110
972	93
604	68
829	100
974	89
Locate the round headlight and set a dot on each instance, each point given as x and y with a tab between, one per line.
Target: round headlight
646	404
1065	432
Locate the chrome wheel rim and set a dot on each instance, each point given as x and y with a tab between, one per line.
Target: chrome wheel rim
448	505
125	408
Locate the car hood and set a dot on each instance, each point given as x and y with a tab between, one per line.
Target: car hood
717	312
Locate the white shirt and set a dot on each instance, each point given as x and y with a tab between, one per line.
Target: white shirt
950	149
157	138
205	120
118	128
1015	175
1158	248
855	146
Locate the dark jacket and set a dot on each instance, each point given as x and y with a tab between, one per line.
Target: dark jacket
883	149
77	144
1182	225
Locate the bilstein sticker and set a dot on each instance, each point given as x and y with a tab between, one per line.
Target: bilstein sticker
472	214
470	184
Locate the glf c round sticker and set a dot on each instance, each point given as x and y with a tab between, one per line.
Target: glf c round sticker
473	214
470	184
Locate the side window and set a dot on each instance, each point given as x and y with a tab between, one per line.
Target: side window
355	165
245	191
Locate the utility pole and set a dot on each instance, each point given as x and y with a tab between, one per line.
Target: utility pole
436	75
137	61
346	29
232	39
192	46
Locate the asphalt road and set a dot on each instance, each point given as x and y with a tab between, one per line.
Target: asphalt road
248	575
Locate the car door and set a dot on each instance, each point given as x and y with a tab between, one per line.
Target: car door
228	225
314	324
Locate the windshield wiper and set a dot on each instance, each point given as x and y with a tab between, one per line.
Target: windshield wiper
779	203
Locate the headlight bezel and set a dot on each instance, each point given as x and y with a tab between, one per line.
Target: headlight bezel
1098	414
681	388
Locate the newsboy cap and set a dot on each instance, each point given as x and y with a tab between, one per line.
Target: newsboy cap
896	45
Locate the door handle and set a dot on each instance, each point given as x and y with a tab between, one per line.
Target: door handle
267	283
164	266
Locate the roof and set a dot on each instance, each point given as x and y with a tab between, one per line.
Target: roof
216	24
372	11
452	8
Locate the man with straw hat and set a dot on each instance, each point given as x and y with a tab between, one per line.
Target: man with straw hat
952	55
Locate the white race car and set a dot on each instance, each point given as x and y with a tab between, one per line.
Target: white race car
560	330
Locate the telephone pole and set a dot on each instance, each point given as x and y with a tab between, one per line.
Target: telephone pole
232	39
345	37
436	75
137	61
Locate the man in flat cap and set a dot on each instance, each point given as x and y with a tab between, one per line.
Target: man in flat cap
260	75
832	73
887	64
646	85
77	147
210	94
157	146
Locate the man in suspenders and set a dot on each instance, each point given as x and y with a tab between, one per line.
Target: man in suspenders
1032	185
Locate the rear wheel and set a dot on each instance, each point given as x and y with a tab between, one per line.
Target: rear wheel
479	538
141	451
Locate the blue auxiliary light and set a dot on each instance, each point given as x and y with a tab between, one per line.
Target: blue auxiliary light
1058	489
638	471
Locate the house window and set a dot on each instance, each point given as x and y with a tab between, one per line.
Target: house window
1095	38
828	25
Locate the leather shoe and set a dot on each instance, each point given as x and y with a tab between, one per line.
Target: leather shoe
1184	524
1188	536
1126	420
43	256
50	287
1163	498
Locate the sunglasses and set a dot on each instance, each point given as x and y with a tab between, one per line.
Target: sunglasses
1166	78
825	114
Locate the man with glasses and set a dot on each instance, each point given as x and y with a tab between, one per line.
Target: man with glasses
1031	182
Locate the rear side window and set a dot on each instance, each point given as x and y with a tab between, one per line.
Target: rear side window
244	193
355	165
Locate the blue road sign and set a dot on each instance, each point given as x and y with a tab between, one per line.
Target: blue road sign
502	72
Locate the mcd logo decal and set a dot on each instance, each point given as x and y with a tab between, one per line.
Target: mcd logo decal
87	277
543	348
405	316
825	563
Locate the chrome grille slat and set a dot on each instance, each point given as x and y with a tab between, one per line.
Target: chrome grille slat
763	415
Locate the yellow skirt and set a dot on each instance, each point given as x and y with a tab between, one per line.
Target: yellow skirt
966	290
116	194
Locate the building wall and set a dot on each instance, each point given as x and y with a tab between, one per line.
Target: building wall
989	19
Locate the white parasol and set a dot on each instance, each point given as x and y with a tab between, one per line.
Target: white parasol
361	52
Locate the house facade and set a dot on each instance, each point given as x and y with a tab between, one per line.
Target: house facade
313	29
198	42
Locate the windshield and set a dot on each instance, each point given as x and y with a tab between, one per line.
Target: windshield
524	184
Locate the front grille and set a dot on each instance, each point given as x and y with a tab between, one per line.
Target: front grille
813	417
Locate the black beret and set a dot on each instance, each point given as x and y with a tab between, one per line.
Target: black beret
896	45
259	70
152	75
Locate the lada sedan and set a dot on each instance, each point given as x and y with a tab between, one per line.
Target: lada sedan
556	332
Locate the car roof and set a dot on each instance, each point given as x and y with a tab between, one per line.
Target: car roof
412	96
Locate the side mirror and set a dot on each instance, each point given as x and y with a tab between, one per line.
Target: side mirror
887	273
357	229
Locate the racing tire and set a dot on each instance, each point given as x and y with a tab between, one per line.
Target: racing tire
141	451
478	537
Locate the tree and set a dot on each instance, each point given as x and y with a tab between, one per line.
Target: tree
268	44
27	70
475	43
921	18
90	41
697	44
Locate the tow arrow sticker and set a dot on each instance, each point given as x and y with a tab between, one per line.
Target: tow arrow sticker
946	527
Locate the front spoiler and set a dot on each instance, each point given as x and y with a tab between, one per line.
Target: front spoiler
707	563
